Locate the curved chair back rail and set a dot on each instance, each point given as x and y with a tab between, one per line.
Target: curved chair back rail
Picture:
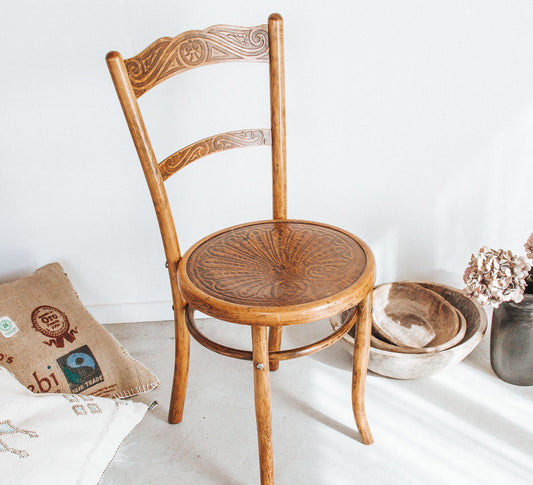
216	143
169	56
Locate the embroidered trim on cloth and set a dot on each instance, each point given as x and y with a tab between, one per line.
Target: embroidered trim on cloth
7	428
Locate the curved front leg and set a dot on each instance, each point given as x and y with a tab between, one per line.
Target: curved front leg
181	361
363	330
263	405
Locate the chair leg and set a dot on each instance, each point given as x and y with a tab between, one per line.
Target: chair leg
181	363
263	405
274	344
363	330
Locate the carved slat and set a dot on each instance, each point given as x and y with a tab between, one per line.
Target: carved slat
171	55
216	143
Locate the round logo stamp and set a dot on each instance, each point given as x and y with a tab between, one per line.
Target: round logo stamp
54	324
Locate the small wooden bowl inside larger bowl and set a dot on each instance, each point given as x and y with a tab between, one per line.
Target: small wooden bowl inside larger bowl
408	315
378	343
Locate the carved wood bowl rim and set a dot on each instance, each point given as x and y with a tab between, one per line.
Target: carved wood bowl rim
277	315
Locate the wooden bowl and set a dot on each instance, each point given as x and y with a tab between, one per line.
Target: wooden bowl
378	343
409	315
413	366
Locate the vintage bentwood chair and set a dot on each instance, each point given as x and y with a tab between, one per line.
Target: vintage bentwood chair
263	274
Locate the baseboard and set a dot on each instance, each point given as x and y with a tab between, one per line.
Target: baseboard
153	311
132	312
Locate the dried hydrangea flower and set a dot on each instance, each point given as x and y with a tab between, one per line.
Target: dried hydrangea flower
529	246
495	276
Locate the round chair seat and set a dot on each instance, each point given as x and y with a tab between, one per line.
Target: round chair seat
276	272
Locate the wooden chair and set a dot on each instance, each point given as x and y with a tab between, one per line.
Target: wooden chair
265	274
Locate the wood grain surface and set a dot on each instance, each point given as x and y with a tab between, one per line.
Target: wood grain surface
171	55
263	403
276	264
213	144
408	315
276	272
279	142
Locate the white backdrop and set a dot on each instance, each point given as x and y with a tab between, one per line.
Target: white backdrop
409	123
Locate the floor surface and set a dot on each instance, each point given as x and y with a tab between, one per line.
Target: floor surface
463	426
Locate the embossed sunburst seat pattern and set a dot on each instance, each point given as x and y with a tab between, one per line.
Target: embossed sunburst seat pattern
265	266
264	274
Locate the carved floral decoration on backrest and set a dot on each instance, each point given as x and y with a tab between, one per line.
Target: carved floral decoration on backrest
213	144
221	43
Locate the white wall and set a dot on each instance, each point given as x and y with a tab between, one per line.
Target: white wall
409	123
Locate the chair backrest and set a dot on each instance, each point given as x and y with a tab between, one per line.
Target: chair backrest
169	56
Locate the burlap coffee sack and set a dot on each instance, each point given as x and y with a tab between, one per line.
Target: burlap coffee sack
51	343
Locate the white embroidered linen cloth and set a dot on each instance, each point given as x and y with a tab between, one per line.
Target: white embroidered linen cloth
59	439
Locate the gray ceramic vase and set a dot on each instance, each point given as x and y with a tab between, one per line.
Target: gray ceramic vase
511	342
